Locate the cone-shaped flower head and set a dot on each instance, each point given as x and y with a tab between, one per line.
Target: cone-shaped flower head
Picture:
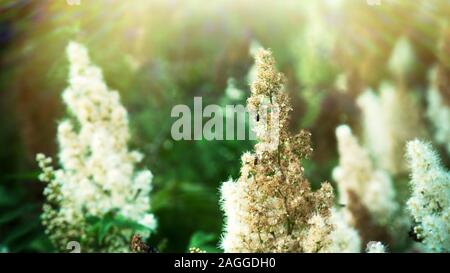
271	207
430	200
97	179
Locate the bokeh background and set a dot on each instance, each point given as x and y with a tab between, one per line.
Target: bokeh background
162	53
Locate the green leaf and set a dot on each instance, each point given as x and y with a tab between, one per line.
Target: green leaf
21	231
15	213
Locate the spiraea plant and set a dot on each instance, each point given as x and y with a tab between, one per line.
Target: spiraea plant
430	200
375	247
438	110
96	197
271	207
357	174
344	238
392	116
367	194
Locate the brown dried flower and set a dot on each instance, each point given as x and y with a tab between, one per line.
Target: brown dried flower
271	207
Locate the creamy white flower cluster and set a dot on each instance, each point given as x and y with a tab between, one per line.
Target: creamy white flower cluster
97	174
390	119
392	116
375	247
402	59
356	173
430	200
438	113
344	238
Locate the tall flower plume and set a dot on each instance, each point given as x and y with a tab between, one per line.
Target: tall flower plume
390	119
271	207
368	193
402	60
438	111
97	180
430	201
356	174
393	116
